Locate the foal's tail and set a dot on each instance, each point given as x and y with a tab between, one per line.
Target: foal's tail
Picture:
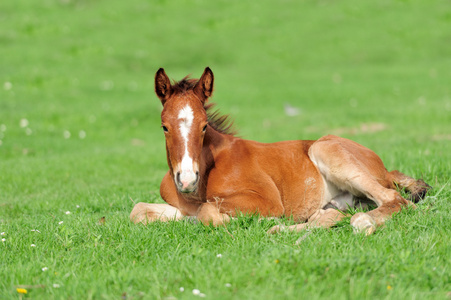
416	188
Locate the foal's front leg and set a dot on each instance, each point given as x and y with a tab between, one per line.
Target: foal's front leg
149	212
209	213
221	209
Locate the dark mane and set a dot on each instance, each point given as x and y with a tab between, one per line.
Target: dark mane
217	121
221	123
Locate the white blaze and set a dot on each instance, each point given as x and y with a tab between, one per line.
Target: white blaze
186	120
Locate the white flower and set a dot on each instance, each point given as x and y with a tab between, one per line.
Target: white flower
23	123
66	134
7	86
219	255
228	285
3	240
56	285
3	233
67	212
78	206
44	269
196	292
182	289
82	134
60	222
33	245
35	230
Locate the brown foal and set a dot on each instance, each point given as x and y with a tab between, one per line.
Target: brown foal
213	174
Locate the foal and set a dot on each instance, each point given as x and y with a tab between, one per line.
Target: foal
214	174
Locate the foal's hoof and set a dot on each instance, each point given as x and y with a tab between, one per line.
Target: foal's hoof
419	190
276	229
363	223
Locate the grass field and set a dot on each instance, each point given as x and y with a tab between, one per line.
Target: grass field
80	142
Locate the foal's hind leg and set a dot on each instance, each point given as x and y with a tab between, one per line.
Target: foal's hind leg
416	188
354	168
367	222
150	212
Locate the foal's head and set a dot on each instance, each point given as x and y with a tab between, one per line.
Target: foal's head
184	122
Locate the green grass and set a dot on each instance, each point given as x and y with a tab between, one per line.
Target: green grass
376	72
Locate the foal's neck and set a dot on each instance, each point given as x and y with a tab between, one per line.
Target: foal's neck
214	143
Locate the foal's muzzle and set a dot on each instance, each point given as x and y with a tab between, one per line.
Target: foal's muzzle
186	182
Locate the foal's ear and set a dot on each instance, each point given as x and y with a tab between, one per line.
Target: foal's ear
204	87
163	87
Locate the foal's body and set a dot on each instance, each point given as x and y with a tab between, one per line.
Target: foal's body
271	179
218	174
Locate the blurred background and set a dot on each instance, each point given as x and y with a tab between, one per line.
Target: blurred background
80	121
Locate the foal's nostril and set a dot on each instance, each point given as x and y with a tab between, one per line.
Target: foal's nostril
197	177
178	179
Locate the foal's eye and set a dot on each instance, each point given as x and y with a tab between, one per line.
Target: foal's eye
165	129
205	128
